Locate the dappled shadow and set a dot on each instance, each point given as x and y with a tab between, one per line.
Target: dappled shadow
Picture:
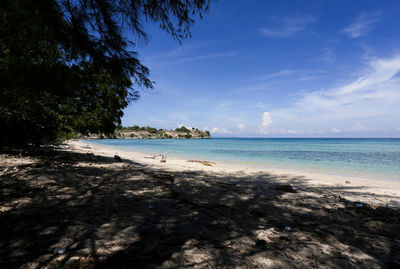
107	214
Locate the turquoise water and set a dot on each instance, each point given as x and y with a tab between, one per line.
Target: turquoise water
371	158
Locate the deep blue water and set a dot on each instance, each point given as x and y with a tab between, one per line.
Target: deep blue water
372	158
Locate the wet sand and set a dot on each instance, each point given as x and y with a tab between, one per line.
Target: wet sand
77	206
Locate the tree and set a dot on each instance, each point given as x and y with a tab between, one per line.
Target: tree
151	130
68	66
182	129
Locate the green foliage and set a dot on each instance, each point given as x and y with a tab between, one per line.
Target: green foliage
182	129
62	136
167	136
151	130
132	128
66	67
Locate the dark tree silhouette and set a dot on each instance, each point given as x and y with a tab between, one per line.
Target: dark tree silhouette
70	66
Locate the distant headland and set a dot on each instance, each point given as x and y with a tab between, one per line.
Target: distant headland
137	132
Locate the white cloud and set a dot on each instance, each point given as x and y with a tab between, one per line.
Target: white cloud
186	126
288	26
380	72
336	130
219	130
266	122
362	25
241	126
281	73
373	98
358	127
187	54
301	74
398	129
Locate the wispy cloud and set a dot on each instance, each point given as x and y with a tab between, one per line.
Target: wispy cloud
373	98
298	74
327	55
188	53
307	78
280	73
362	25
288	26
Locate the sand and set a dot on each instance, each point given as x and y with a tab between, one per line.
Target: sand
357	189
76	206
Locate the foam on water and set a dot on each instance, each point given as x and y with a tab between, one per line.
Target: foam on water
370	158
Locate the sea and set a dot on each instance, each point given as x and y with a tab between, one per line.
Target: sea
377	158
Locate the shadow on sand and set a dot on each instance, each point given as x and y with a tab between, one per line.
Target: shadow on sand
109	214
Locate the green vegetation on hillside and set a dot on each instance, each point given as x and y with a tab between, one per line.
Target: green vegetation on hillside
182	129
151	132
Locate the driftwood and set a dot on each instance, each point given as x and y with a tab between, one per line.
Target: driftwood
205	163
162	155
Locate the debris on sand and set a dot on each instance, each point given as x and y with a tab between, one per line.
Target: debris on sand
348	182
163	160
205	163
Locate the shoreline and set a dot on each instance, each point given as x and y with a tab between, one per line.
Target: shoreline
359	189
260	166
78	206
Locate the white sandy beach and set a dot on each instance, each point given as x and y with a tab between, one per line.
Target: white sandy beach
76	206
372	191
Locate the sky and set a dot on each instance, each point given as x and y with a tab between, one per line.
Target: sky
277	69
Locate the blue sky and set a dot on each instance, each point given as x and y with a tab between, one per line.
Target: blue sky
278	69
